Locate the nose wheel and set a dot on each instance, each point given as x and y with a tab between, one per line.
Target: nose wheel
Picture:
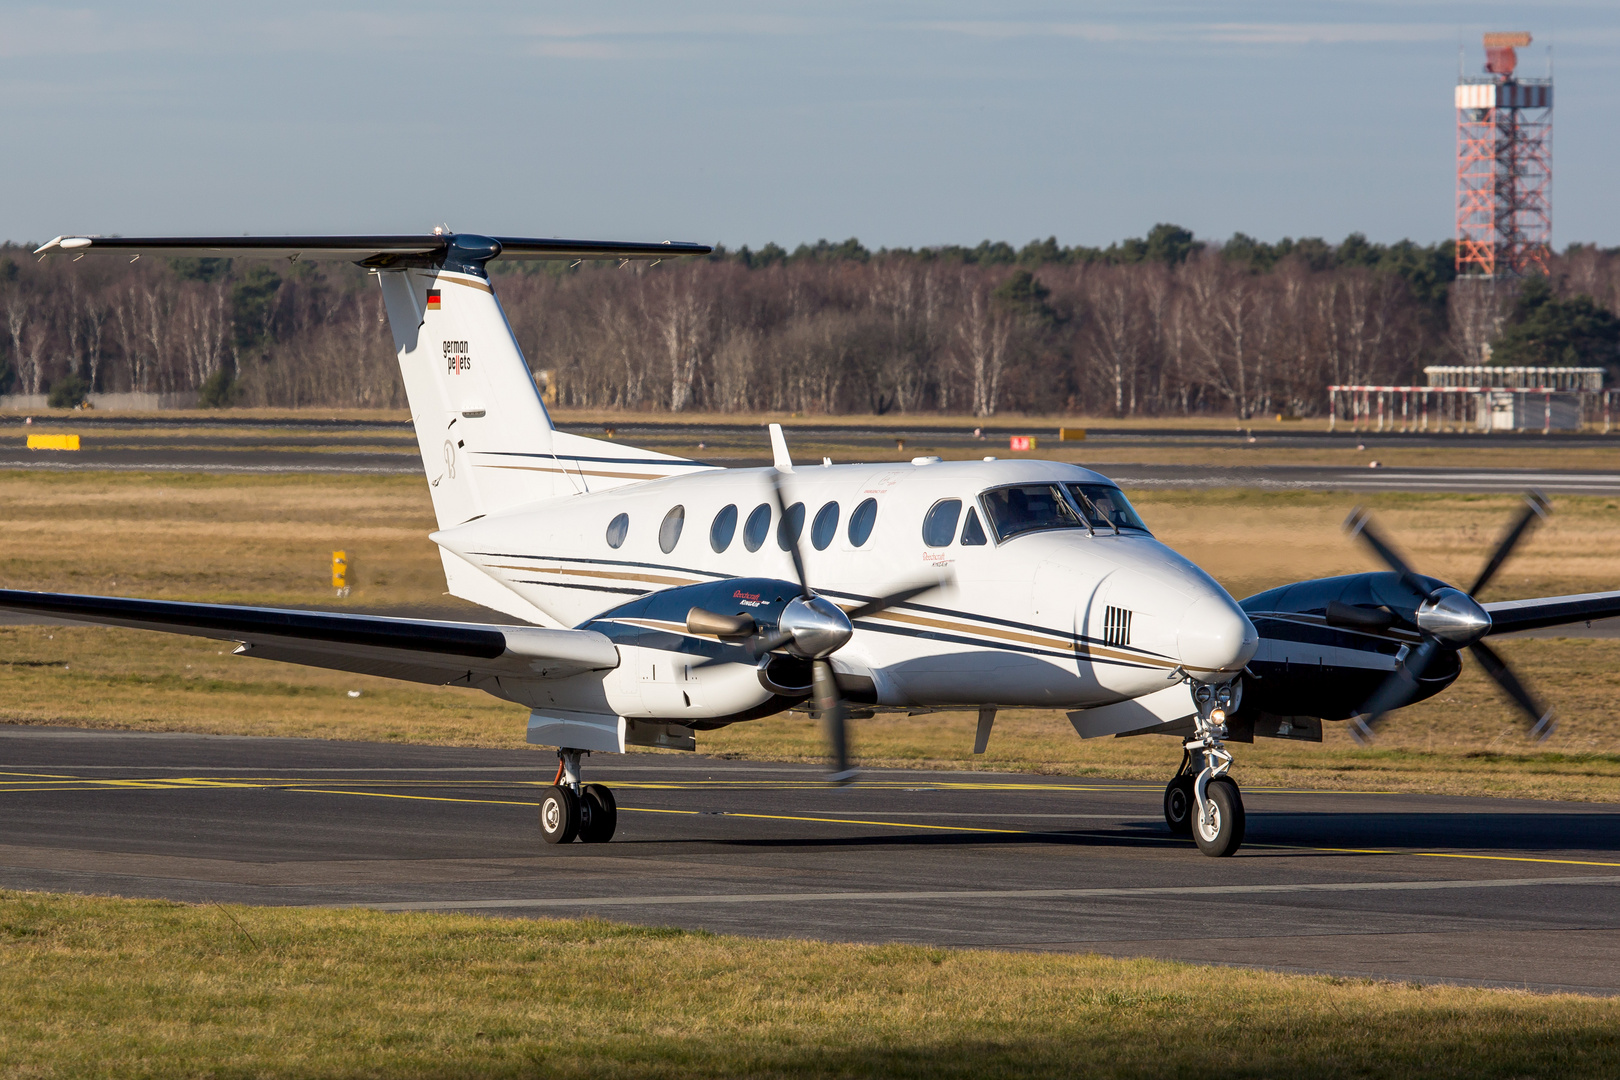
570	810
1201	801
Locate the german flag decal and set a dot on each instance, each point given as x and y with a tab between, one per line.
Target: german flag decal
433	300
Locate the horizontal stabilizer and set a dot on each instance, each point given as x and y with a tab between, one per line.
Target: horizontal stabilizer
377	251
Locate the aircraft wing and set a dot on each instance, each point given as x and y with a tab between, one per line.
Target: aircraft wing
418	650
1509	616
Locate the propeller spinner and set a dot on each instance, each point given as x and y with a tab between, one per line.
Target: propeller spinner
1447	619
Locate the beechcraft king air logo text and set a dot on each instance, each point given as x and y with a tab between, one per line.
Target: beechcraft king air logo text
433	300
456	359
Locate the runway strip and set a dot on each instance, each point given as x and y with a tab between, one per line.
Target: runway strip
262	460
1360	884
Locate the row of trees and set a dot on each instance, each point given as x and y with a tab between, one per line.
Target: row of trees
1160	325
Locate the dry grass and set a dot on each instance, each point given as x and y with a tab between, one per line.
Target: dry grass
236	539
100	987
268	539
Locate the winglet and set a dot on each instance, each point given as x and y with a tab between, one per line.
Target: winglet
784	463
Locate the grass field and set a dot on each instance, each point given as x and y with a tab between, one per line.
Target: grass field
93	986
268	539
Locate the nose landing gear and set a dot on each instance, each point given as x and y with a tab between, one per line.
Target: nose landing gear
1201	799
570	810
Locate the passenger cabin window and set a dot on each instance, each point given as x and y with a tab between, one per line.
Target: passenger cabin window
861	522
669	533
1106	506
791	527
1028	508
939	527
825	527
972	531
617	530
757	527
723	529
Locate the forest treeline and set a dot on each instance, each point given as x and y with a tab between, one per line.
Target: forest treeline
1160	325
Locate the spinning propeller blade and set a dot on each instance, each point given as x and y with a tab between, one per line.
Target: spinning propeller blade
1535	509
789	535
834	715
824	695
1398	689
1401	687
1541	720
1359	524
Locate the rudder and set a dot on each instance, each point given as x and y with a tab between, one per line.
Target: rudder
470	392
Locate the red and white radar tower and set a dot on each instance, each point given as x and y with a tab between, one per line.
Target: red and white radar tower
1504	166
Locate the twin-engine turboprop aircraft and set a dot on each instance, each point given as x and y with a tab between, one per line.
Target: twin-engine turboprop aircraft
662	597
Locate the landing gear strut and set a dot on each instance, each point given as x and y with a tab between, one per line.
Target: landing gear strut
1201	799
571	810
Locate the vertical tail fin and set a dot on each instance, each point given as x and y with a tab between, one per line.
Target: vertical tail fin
476	409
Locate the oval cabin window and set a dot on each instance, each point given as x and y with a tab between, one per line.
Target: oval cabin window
669	533
757	527
939	527
791	527
617	529
825	527
861	522
723	529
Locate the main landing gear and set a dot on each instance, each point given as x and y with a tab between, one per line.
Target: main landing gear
570	810
1201	800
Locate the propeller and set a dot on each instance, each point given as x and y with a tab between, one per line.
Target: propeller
811	627
1447	619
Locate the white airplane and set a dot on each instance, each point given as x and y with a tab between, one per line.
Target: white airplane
662	597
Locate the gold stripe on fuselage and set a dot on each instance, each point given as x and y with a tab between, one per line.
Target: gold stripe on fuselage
577	472
1046	639
616	575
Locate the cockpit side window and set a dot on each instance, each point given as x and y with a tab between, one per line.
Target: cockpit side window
1026	508
972	531
1108	504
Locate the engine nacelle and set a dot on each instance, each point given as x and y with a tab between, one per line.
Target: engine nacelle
1328	643
702	679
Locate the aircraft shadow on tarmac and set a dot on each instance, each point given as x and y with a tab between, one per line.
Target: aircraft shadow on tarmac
1596	832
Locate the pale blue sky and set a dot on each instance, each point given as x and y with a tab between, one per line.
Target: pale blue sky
903	124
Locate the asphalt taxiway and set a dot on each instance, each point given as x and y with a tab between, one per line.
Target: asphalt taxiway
156	444
1488	891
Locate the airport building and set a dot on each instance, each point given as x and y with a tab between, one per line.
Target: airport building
1479	398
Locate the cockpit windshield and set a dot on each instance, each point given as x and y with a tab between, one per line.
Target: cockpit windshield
1105	506
1028	507
1024	508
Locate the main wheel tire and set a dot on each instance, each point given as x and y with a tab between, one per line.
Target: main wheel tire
1224	834
1179	807
559	815
602	817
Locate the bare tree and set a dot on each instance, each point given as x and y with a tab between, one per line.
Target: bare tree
983	336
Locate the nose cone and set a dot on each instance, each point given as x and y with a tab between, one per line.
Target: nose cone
1453	616
1215	638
